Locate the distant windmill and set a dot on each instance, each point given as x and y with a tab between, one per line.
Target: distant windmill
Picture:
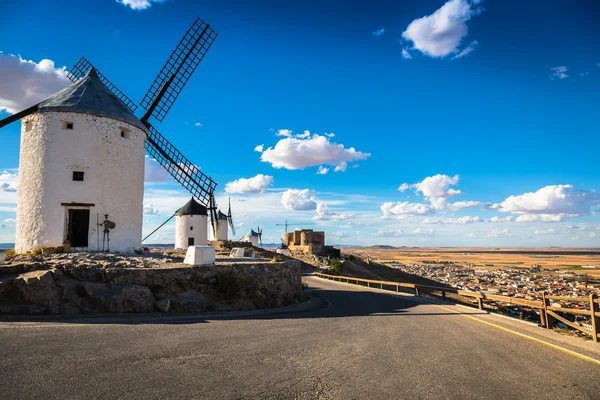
254	237
219	230
90	129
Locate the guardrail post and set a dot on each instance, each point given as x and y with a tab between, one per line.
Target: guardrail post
397	288
480	302
594	308
443	295
543	315
548	318
417	291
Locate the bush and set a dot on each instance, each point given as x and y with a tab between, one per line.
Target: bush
228	285
10	253
335	265
37	250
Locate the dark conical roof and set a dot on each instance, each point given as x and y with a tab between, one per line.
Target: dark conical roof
282	246
222	216
192	207
89	95
252	233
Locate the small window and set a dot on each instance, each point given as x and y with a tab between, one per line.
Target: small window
191	228
67	125
190	241
125	133
78	176
28	126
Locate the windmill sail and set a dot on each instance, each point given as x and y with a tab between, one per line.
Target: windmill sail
200	185
177	70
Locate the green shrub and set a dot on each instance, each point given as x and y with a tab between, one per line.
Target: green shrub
37	250
335	265
10	253
228	285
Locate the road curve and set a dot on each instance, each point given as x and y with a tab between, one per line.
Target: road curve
365	344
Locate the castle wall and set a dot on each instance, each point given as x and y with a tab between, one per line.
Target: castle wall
113	182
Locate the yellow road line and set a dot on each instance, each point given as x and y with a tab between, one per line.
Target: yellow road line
553	346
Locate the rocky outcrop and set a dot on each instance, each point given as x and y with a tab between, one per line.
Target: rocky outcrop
89	287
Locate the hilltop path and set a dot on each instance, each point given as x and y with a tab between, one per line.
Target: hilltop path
363	344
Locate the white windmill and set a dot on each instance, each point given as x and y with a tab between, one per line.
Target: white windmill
254	237
190	225
81	168
219	229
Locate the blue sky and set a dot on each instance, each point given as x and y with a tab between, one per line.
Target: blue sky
467	102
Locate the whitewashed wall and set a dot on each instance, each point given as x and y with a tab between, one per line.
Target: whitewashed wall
183	231
114	179
222	231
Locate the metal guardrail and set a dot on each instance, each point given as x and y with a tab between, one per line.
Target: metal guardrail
546	311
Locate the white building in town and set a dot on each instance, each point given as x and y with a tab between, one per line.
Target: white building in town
81	163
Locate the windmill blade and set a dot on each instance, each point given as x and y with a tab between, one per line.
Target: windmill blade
177	70
81	68
213	216
17	116
200	185
230	218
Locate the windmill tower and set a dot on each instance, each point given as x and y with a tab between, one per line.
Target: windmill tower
219	230
190	225
253	237
82	155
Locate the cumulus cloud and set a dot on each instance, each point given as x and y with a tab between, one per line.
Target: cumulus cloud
139	5
495	233
592	235
467	50
459	205
379	32
284	132
322	170
441	33
501	219
296	153
559	72
471	235
437	189
154	172
405	54
461	220
150	210
256	184
341	167
197	124
323	214
259	148
551	204
545	231
8	182
406	208
389	232
298	200
10	220
25	83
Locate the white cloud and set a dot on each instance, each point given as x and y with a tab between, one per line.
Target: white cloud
293	153
329	135
437	189
284	132
150	210
459	205
441	33
341	167
524	218
197	124
256	184
593	235
322	170
495	233
461	220
323	214
139	5
298	200
154	172
584	73
25	83
10	220
259	148
404	187
379	32
405	54
389	232
432	221
6	187
549	231
500	219
559	72
467	50
471	235
406	208
551	203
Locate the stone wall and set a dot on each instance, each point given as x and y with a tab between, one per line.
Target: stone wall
77	289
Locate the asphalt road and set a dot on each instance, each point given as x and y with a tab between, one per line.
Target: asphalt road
364	344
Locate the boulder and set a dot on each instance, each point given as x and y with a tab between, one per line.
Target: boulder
163	305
